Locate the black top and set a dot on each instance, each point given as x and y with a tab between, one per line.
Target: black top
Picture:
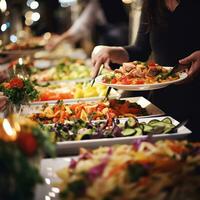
178	38
116	29
114	11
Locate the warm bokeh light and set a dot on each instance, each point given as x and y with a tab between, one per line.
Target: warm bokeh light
28	14
28	22
3	5
20	61
127	1
47	36
9	130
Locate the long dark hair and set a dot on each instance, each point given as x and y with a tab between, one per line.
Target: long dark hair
156	12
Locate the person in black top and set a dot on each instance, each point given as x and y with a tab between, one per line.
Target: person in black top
107	20
170	31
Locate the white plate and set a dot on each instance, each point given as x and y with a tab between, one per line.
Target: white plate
72	147
142	87
152	110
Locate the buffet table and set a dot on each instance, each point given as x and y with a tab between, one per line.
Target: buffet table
114	135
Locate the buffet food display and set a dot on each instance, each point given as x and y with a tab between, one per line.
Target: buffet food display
24	46
87	111
162	170
73	113
67	69
72	90
83	130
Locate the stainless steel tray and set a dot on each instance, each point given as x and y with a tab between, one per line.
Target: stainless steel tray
151	108
72	147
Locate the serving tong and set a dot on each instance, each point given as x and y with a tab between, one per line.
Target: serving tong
107	94
98	73
178	68
183	123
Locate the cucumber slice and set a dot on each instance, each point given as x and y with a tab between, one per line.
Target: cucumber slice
147	128
138	131
128	132
161	127
167	120
168	129
141	126
84	134
153	121
160	123
131	122
158	130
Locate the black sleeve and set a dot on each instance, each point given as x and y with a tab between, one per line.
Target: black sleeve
141	49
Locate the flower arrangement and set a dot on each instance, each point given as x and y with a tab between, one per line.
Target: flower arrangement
19	90
22	144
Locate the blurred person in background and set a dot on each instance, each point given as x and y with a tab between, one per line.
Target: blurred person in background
107	20
169	31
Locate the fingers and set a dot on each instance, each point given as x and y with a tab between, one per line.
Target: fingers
107	64
194	70
187	60
99	56
97	67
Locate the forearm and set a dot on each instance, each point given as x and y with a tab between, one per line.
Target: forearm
136	53
141	50
85	23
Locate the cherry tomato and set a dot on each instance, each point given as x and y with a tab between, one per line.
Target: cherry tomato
7	85
16	83
114	80
151	64
139	82
27	143
126	81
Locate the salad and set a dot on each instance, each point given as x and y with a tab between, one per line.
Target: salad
81	130
113	108
63	90
165	170
139	73
68	69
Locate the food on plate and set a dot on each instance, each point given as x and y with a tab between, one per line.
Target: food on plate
82	130
87	111
163	170
68	69
63	90
139	73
